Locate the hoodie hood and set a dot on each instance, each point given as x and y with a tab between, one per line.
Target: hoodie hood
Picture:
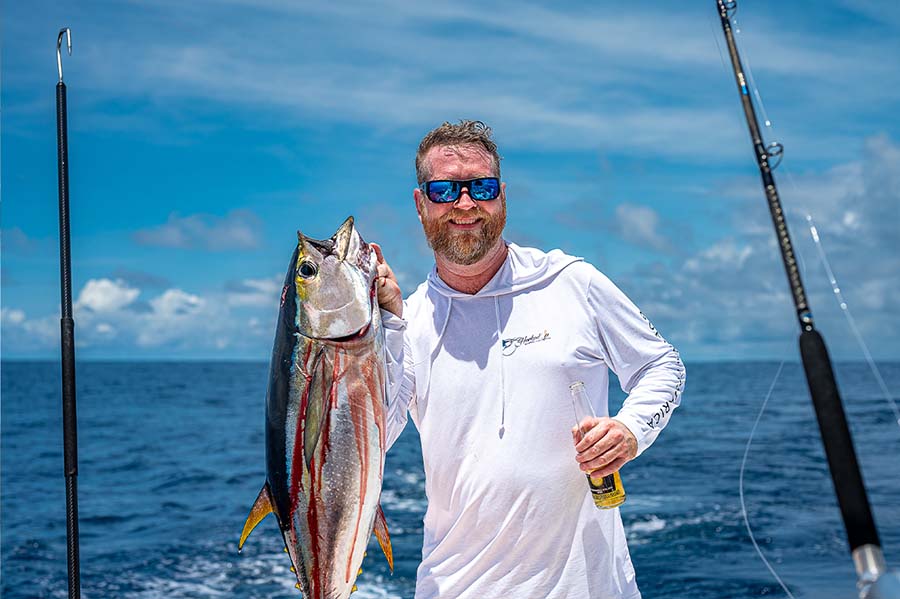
523	268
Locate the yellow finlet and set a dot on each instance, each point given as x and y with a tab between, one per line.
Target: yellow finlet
384	537
262	507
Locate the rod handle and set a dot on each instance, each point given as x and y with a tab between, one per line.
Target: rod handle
845	472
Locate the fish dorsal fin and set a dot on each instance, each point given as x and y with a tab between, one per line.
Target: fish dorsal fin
262	507
342	238
384	537
318	401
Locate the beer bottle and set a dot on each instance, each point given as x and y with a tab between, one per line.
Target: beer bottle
607	492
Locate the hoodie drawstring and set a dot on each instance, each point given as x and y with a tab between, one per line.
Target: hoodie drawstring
524	268
502	430
439	343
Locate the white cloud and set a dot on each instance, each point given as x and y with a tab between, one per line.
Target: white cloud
176	303
255	292
641	225
9	316
602	77
731	298
182	319
724	255
238	320
16	241
105	329
22	334
239	229
105	295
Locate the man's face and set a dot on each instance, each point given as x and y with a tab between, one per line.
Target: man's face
465	230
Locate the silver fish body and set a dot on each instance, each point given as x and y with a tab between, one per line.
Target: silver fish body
325	411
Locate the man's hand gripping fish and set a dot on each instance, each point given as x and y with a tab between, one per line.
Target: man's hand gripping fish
325	410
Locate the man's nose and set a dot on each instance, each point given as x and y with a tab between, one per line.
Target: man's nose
464	200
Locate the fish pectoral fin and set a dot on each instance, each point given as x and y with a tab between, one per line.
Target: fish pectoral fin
384	537
262	507
318	405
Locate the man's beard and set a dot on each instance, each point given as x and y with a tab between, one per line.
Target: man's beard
465	247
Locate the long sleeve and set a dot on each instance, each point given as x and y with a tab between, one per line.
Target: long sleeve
401	386
650	370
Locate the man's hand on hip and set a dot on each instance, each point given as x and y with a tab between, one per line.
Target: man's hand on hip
606	446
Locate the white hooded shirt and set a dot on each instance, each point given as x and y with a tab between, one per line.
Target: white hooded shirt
486	380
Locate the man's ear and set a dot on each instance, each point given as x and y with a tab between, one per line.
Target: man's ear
419	199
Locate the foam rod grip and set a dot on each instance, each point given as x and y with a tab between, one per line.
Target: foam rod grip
845	472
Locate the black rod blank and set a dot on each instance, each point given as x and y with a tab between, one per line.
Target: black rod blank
67	334
842	462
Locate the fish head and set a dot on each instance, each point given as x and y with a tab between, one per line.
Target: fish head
334	282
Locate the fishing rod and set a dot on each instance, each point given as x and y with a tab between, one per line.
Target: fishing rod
862	536
67	330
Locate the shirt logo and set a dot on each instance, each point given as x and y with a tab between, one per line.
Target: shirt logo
513	343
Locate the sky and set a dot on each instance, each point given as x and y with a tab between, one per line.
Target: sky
203	135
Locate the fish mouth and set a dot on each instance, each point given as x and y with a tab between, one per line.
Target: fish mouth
355	336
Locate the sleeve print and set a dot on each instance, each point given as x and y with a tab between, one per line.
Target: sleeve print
649	368
660	418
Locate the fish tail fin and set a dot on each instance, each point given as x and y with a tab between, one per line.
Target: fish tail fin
262	507
384	537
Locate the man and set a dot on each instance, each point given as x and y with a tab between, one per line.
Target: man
482	356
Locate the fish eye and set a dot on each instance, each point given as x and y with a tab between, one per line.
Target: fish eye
307	269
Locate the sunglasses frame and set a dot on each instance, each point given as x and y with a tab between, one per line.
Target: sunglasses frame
426	186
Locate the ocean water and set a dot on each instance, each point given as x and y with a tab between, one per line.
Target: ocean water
171	457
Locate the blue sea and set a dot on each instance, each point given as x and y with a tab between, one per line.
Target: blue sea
172	457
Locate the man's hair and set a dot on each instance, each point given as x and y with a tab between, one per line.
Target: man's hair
465	133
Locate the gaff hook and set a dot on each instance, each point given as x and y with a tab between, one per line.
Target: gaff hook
68	33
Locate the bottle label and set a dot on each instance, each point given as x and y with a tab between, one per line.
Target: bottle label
605	485
607	492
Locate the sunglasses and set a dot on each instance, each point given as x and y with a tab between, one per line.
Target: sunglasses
443	192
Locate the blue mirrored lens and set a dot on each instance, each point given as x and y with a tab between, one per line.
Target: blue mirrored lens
443	191
485	189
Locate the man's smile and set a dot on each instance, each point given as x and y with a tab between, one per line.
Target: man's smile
465	223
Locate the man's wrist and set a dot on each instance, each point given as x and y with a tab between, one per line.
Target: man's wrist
392	319
395	309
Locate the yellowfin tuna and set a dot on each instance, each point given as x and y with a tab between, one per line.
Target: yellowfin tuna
325	411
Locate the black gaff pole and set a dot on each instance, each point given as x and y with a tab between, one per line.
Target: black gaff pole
67	330
845	473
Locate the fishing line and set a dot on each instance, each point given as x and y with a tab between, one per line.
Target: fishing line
749	71
775	154
741	484
856	513
712	29
746	61
762	410
823	258
850	320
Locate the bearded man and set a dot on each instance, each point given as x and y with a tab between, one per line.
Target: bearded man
481	357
